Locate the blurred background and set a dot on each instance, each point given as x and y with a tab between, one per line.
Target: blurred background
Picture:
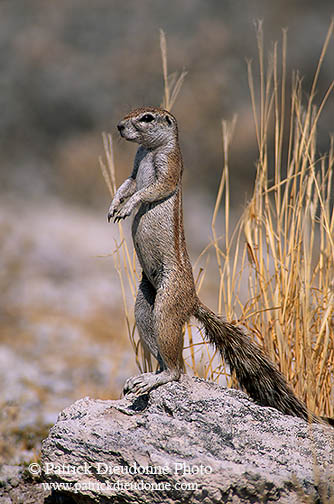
69	71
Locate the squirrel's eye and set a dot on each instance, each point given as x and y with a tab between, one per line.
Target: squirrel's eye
147	118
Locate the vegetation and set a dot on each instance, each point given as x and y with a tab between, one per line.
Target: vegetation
276	267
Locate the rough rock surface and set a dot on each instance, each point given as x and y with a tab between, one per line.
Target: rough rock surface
204	444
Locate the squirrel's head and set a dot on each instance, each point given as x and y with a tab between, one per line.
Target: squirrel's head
150	126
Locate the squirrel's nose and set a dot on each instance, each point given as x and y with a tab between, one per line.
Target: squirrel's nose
120	127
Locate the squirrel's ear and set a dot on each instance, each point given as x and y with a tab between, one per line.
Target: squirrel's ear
168	120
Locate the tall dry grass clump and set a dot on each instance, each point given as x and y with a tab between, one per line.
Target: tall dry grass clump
284	243
276	267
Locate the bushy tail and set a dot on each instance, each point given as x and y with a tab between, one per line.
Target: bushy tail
254	371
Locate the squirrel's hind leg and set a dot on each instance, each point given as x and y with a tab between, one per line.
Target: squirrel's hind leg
160	317
144	309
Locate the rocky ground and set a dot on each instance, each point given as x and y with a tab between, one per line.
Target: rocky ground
191	441
62	326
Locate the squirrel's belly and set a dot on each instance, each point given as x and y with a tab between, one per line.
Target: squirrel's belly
152	233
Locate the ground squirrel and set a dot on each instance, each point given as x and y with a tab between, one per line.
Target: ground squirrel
167	297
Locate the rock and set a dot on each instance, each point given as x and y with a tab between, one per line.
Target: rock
189	441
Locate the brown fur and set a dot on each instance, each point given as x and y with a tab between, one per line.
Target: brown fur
166	297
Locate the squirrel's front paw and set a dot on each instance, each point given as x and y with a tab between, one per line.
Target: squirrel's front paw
114	207
124	212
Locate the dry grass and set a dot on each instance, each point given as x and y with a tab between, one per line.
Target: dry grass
285	238
276	267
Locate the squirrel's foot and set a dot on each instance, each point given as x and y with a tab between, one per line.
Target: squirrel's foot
142	384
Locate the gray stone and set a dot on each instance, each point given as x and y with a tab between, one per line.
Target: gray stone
191	441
